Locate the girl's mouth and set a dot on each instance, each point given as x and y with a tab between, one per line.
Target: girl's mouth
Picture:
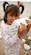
11	20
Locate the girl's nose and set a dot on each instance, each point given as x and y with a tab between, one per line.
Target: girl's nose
14	18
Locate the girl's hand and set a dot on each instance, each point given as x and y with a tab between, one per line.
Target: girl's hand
24	28
28	22
21	30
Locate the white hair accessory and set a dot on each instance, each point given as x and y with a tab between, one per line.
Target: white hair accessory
6	6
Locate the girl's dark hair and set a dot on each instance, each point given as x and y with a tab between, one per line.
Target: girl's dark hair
12	9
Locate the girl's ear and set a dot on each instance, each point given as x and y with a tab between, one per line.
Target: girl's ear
5	5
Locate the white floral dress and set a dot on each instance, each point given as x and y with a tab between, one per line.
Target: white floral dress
12	42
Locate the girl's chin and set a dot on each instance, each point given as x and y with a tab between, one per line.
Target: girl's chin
10	23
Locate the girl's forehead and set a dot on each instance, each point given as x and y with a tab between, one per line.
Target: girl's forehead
13	13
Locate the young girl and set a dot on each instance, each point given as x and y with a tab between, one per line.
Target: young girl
12	42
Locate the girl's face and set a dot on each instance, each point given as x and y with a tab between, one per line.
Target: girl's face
10	19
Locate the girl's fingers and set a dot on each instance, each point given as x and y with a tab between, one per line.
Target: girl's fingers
23	25
19	28
28	21
19	25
